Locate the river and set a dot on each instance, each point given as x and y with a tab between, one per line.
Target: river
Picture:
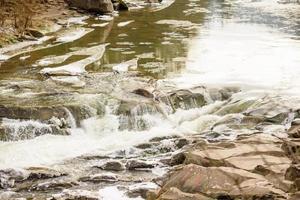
253	45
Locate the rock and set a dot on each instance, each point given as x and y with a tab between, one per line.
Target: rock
144	146
11	131
120	5
8	195
293	172
175	194
76	195
184	99
35	33
99	6
138	164
215	156
113	166
152	194
8	177
295	196
37	173
53	185
96	178
153	1
143	92
292	149
294	131
218	182
235	107
141	189
131	114
177	159
181	142
251	162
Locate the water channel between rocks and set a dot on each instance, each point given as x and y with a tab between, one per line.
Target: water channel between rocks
245	53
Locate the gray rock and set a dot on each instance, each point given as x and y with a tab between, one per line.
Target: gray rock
138	164
112	166
8	177
181	142
104	177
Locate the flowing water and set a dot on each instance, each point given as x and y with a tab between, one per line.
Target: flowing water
251	44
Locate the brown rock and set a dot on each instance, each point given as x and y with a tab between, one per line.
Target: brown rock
100	6
292	173
220	181
292	149
176	194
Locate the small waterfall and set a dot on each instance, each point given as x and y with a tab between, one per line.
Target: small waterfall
19	130
70	119
140	117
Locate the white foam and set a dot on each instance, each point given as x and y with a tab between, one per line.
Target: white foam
113	193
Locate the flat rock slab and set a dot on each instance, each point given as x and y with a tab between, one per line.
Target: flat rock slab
219	181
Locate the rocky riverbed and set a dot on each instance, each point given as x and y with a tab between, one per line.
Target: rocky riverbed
171	100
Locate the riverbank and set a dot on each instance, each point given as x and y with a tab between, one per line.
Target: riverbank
44	21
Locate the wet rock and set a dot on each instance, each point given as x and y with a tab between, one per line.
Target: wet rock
14	130
36	113
53	185
185	99
37	173
76	195
120	5
181	142
35	33
218	182
141	189
158	139
138	164
175	194
144	146
100	6
104	177
112	166
235	107
177	159
132	114
293	172
143	92
8	177
8	195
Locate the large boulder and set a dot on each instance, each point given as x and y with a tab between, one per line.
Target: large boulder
220	182
100	6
